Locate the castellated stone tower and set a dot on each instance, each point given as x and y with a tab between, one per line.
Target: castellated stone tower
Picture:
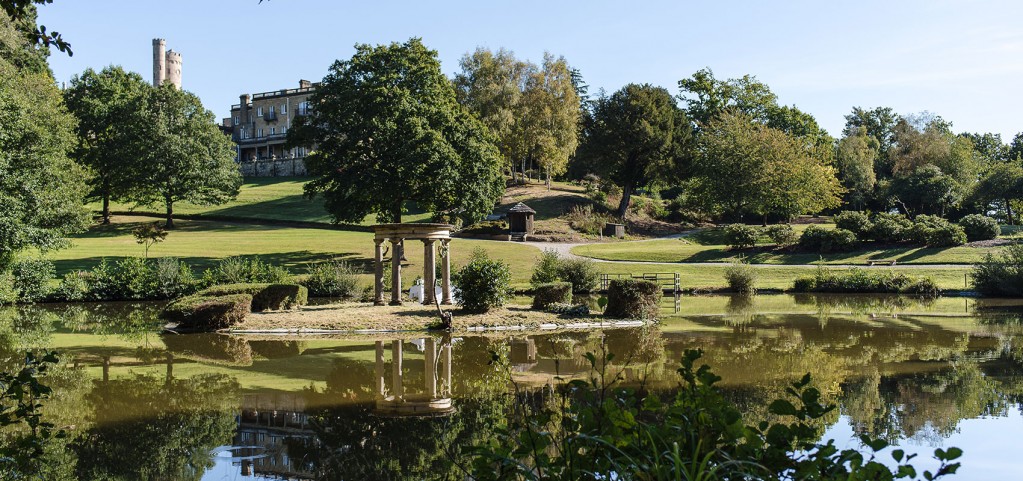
166	64
173	69
159	62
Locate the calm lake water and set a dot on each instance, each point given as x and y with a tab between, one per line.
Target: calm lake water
143	405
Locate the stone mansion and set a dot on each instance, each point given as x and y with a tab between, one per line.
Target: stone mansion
259	124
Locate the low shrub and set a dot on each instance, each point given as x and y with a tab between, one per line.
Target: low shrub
861	281
551	267
566	309
1002	275
950	235
741	236
75	286
125	279
584	219
818	239
581	273
552	293
333	278
235	270
741	278
483	283
170	278
208	312
8	293
546	268
32	278
980	227
782	234
265	297
854	221
889	228
632	299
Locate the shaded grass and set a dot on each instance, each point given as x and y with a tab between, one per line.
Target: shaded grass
690	250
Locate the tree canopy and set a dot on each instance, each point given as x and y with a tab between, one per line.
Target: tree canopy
388	131
111	109
187	157
41	188
638	135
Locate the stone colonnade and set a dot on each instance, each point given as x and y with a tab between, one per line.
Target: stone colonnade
397	234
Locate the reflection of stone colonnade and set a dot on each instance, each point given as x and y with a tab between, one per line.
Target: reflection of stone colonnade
434	400
397	234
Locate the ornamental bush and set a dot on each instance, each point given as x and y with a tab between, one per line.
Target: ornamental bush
32	278
818	239
1002	275
552	293
741	278
854	221
632	299
889	228
235	270
333	278
483	283
741	236
782	234
949	235
208	312
546	268
863	281
581	273
980	227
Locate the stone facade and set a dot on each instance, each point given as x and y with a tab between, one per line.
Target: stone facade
259	125
274	168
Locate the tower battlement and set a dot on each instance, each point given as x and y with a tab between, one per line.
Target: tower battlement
166	64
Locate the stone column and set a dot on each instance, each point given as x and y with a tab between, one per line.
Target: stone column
396	271
446	272
430	378
379	371
399	389
446	368
429	272
378	272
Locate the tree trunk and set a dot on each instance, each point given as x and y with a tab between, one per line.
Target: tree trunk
396	213
623	206
170	213
1008	211
106	208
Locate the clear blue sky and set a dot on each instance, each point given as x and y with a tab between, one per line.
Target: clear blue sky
961	60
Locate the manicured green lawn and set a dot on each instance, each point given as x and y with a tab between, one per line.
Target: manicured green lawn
261	198
203	243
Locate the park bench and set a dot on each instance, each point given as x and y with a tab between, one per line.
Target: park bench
881	262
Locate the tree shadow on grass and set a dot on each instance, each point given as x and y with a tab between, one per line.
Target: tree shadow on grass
297	261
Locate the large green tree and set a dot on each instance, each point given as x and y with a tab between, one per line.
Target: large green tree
111	109
933	169
388	131
490	86
187	157
878	123
747	167
856	154
638	135
41	188
550	117
999	188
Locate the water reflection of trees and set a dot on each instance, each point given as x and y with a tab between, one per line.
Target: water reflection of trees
149	428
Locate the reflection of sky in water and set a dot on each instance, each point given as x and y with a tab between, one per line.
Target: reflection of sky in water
990	447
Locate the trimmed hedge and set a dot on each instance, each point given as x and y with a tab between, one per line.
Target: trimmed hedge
632	299
552	293
208	312
860	281
265	297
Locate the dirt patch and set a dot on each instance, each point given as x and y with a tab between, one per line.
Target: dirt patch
358	316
